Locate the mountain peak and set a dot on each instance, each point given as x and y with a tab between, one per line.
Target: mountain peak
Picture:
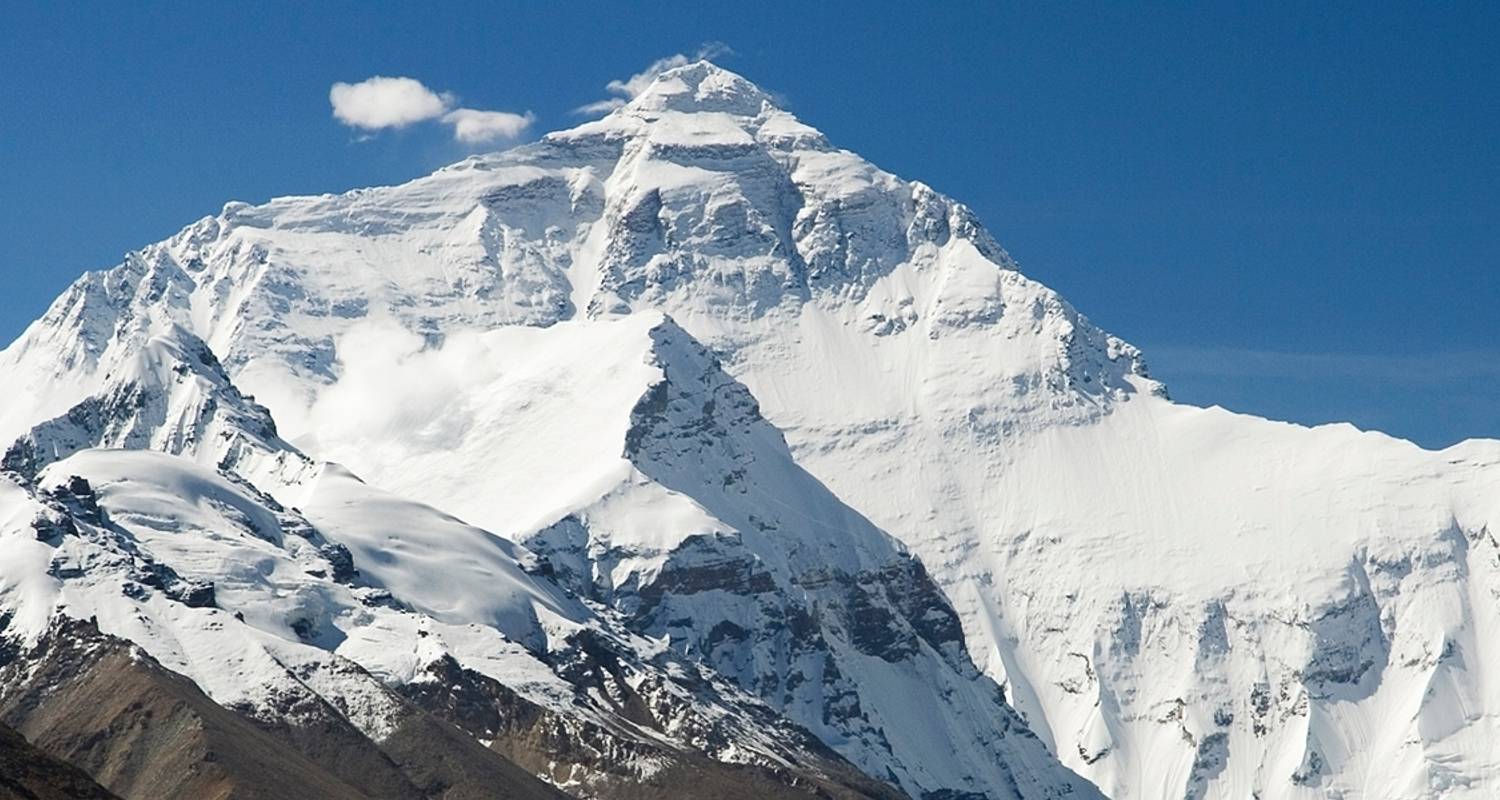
173	396
702	86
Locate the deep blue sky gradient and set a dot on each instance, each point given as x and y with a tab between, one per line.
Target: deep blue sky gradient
1294	210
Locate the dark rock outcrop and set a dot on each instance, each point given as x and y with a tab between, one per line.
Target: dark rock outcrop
27	773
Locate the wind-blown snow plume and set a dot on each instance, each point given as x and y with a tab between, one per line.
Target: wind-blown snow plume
626	89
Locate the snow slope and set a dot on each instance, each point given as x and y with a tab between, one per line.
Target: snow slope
342	612
254	604
620	451
1179	601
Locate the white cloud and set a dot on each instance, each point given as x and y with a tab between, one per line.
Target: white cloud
382	102
419	386
627	89
472	126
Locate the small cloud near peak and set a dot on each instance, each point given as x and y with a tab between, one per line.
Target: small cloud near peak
382	102
472	126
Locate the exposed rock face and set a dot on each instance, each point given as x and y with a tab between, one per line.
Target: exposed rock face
596	761
107	707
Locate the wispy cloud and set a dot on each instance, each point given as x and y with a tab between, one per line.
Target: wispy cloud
626	89
379	103
1408	369
1434	399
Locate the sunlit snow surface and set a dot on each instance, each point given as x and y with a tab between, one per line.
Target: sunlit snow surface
1179	601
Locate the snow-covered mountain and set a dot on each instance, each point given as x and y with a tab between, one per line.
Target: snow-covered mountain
695	451
367	613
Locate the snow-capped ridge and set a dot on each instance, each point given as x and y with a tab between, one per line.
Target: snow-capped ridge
174	397
400	545
699	87
697	428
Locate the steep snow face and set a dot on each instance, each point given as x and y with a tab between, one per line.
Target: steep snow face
1180	601
511	428
1188	600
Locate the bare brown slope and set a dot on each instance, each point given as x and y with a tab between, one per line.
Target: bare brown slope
145	732
27	773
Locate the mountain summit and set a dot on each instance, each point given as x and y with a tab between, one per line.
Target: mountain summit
701	87
683	451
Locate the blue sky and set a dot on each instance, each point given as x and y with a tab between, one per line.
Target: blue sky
1293	209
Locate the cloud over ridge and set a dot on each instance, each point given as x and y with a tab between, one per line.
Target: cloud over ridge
473	126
